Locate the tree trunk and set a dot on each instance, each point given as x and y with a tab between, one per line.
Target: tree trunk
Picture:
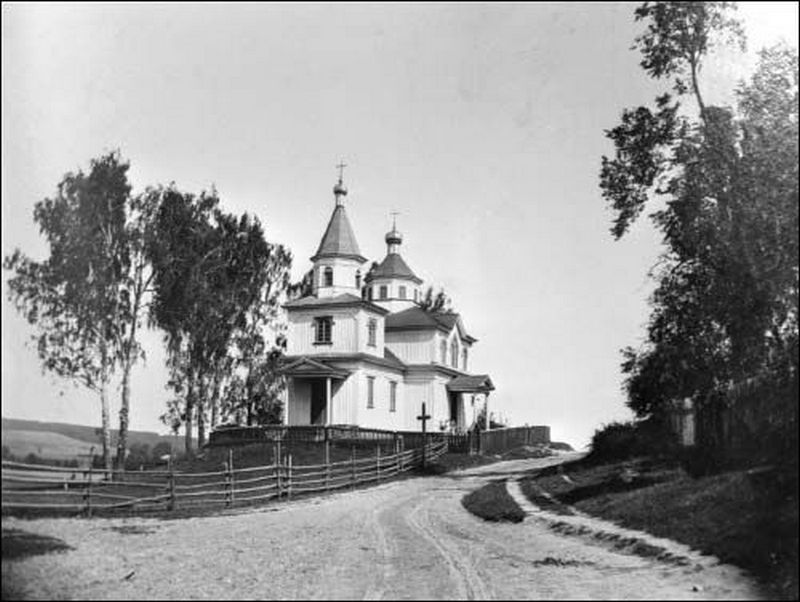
124	416
106	419
201	413
215	402
189	412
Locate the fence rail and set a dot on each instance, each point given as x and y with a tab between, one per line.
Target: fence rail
38	487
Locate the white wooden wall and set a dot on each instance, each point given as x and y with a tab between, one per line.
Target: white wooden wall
412	347
349	333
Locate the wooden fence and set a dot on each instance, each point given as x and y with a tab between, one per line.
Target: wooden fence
497	441
47	488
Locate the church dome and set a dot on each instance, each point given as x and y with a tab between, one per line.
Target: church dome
394	237
340	189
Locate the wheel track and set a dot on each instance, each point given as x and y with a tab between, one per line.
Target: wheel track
468	582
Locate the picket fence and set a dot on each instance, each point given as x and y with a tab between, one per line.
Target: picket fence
50	488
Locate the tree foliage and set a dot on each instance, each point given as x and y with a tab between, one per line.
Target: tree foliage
725	307
78	298
217	283
436	301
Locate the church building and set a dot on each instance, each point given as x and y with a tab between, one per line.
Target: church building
361	351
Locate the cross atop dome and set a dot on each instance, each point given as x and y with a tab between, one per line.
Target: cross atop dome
339	190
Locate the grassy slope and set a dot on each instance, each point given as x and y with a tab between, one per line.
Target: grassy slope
86	433
44	444
746	519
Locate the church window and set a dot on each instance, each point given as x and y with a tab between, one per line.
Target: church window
443	352
416	296
328	274
392	396
322	329
384	292
402	292
370	392
464	359
372	331
358	278
454	353
369	294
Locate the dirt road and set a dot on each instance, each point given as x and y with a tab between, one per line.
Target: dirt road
409	540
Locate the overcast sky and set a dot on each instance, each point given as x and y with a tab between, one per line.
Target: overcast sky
482	124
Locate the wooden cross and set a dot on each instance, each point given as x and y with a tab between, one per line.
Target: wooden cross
341	167
424	416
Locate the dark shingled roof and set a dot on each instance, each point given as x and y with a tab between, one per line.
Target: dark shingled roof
339	240
415	318
393	266
343	299
478	383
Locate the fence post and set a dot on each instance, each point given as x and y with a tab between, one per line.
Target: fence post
87	493
378	462
289	477
276	461
171	485
353	466
229	479
327	461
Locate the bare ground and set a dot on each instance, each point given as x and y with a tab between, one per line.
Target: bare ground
409	539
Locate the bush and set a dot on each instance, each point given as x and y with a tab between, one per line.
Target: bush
624	440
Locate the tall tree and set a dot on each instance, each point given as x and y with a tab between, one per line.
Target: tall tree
76	298
725	308
216	278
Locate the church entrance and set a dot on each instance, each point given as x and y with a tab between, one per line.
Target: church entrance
456	417
318	405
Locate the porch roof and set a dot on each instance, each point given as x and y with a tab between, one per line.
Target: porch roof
307	367
478	383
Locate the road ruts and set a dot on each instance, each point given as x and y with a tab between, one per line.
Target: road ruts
409	539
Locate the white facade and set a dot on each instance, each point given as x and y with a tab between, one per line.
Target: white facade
360	350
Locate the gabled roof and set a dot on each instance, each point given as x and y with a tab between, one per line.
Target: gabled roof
343	300
331	361
305	366
393	266
339	240
478	383
415	318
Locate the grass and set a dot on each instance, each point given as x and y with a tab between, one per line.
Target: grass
492	502
21	544
745	518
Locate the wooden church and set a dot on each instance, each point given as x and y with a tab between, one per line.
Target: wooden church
361	351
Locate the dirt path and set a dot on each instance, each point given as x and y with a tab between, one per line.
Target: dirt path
410	539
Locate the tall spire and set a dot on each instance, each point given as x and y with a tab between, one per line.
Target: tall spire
339	190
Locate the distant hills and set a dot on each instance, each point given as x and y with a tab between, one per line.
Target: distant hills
63	441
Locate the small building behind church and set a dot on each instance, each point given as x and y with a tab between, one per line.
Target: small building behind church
362	352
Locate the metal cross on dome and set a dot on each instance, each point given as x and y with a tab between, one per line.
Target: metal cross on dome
341	167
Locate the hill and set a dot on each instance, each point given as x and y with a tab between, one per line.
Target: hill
44	444
55	439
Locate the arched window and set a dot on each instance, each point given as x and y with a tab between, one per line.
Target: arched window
464	359
454	353
358	278
372	332
328	277
443	350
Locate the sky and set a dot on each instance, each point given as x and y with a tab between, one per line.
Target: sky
481	124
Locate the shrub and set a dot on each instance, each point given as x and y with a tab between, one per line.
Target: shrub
624	440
